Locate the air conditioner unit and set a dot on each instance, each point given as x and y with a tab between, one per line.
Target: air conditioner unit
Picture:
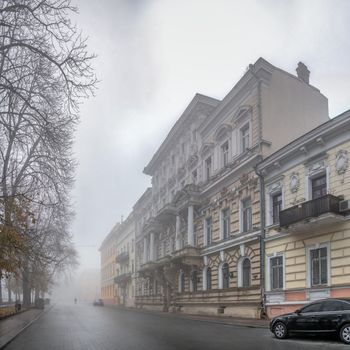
344	206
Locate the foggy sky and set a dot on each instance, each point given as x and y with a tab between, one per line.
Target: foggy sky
153	56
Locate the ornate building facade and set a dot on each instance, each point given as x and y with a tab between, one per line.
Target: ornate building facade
108	267
198	228
125	262
307	208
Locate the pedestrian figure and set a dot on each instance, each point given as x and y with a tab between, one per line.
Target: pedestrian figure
75	300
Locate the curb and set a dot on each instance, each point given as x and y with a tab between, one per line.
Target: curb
193	317
12	336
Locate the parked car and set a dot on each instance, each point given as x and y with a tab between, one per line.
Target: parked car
323	316
98	302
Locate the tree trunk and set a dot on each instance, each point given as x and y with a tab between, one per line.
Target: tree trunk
26	287
0	287
36	295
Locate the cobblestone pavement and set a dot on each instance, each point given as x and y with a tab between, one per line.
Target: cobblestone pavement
84	327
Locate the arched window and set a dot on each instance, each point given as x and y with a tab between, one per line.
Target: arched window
193	281
225	276
208	275
246	273
181	282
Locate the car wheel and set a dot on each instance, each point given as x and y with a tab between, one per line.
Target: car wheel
345	334
280	330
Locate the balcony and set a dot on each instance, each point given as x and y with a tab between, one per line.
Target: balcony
311	214
122	258
187	255
123	278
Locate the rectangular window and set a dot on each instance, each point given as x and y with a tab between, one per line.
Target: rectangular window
208	230
208	168
245	138
276	207
319	186
319	266
246	215
225	223
276	272
224	154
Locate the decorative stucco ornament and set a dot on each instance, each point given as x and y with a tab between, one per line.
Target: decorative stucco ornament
294	182
342	161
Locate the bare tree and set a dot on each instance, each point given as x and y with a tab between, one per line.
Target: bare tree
45	71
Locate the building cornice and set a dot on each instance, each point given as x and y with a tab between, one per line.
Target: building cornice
231	242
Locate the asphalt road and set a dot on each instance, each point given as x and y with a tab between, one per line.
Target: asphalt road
84	327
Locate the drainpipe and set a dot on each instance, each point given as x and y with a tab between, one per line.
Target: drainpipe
262	238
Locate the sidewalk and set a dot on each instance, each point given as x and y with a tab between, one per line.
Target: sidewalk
233	321
11	326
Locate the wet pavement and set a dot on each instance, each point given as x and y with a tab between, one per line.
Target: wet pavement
84	327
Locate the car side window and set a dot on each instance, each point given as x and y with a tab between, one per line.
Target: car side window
332	305
345	305
311	308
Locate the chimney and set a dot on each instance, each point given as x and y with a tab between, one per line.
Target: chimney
303	72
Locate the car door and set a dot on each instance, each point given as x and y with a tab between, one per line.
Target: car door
331	315
307	320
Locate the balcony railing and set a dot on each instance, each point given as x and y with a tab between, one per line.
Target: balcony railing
122	257
123	278
310	209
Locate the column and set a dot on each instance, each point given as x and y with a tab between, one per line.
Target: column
190	227
151	247
144	250
177	233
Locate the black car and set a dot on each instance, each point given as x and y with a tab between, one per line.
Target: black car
323	316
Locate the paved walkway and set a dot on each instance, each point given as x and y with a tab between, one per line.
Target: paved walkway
10	327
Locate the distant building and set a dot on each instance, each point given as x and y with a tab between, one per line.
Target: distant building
125	262
198	228
108	267
307	209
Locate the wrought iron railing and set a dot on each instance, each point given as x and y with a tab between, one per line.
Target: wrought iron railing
122	257
309	209
123	278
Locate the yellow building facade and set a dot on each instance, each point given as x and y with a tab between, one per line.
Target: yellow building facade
307	218
125	262
108	267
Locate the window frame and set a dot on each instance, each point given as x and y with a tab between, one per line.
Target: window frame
243	147
208	169
242	215
224	236
246	283
225	153
274	220
324	171
206	226
270	272
309	265
225	280
321	187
